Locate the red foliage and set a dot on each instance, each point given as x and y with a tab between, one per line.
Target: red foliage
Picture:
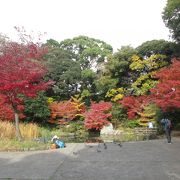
167	93
6	112
98	115
134	105
21	73
65	111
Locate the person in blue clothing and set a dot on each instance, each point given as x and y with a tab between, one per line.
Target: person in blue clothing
167	128
59	143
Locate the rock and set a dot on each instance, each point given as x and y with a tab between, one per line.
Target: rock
107	129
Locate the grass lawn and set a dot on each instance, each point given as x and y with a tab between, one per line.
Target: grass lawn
15	145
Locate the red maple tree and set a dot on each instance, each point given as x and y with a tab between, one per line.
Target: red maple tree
21	75
98	115
167	92
6	112
134	105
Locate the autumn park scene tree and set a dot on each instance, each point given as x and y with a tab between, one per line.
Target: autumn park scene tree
21	76
81	84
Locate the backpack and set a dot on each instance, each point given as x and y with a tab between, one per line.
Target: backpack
60	143
169	124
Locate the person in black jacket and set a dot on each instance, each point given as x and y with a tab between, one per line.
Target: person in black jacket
167	128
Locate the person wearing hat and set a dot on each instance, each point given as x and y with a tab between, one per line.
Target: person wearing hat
59	143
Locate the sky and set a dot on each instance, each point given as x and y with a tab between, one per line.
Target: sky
116	22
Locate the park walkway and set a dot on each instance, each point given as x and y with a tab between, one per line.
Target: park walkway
143	160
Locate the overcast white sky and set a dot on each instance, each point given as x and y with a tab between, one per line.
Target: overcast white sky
117	22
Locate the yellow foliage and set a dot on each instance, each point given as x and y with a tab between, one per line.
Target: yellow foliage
117	97
137	63
115	94
135	58
111	93
50	100
147	115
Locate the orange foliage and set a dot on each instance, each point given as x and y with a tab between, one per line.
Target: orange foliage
64	111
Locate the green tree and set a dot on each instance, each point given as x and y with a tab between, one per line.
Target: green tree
63	70
118	65
88	51
37	110
153	47
88	77
171	17
103	84
116	72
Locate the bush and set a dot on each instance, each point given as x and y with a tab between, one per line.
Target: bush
131	123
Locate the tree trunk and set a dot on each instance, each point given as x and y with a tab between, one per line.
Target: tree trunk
18	132
94	133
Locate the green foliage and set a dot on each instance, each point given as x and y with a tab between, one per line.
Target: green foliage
88	74
65	73
86	95
15	145
171	17
51	43
104	84
75	127
153	47
117	66
72	64
131	124
118	114
88	77
37	110
87	51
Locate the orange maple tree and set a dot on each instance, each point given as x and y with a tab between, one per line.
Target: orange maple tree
65	111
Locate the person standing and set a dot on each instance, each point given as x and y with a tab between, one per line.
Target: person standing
167	128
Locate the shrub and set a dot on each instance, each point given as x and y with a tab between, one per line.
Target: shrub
98	115
131	123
